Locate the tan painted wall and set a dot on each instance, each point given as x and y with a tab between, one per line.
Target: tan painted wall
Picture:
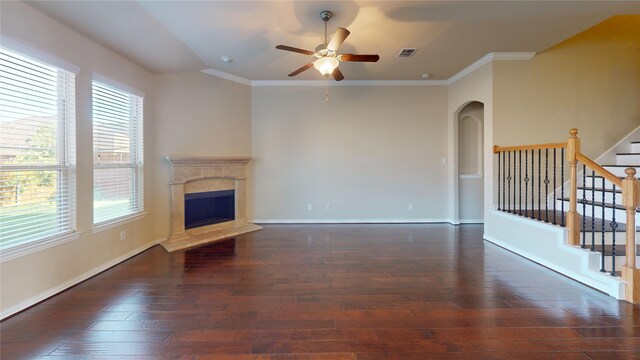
197	115
590	82
369	153
470	162
27	277
476	86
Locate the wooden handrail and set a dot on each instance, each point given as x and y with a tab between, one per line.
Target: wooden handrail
599	170
497	149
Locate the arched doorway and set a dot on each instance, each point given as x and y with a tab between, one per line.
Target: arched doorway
470	165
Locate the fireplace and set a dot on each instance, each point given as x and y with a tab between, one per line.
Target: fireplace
208	208
207	200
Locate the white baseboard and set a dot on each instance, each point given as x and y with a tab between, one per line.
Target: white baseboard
350	221
76	280
472	221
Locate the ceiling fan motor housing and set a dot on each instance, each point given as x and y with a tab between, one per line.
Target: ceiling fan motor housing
325	15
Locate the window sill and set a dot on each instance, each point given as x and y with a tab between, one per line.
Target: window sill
19	250
470	176
110	224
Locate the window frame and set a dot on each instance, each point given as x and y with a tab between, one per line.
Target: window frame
65	154
136	164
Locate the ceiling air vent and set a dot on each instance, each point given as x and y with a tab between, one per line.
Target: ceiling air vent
408	52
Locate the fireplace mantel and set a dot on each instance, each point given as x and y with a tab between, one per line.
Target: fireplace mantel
207	161
197	173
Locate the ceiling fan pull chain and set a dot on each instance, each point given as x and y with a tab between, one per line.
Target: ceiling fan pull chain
326	94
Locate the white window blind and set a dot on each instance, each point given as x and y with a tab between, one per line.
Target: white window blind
37	150
117	153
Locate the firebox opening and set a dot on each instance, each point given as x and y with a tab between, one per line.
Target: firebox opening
207	208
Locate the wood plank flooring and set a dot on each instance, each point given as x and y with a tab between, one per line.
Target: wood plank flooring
329	292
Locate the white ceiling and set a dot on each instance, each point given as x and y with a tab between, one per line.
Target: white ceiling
175	36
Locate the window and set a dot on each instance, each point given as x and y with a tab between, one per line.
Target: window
117	154
37	151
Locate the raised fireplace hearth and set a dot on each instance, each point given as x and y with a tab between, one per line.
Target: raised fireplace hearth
207	200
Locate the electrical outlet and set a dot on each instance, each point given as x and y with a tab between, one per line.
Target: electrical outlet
309	207
123	234
327	207
410	207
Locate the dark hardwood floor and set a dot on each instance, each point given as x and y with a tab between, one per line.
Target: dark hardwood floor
329	292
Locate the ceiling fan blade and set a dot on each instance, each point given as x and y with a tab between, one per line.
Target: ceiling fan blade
337	74
301	69
362	58
338	39
290	48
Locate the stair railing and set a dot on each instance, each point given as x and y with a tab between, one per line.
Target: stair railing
511	185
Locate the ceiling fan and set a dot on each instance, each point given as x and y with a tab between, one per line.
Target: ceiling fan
327	58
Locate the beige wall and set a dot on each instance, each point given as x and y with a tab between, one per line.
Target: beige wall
477	86
470	163
470	141
590	82
369	153
27	278
196	115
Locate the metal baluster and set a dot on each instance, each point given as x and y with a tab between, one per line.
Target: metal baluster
504	184
509	184
584	206
555	157
539	183
546	185
526	181
520	182
593	210
562	186
533	181
603	233
514	182
499	157
614	226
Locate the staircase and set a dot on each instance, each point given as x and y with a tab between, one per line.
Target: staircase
600	207
594	207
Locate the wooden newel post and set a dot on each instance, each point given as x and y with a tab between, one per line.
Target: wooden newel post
631	201
573	218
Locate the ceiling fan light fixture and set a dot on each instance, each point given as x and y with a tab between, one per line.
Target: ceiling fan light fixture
326	65
326	54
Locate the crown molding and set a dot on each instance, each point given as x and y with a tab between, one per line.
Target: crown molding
323	83
227	76
489	58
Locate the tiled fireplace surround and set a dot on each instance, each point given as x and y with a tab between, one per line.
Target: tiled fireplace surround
200	174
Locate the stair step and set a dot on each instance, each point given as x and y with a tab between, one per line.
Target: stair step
599	204
550	216
598	179
608	249
603	195
617	170
541	215
599	189
627	158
